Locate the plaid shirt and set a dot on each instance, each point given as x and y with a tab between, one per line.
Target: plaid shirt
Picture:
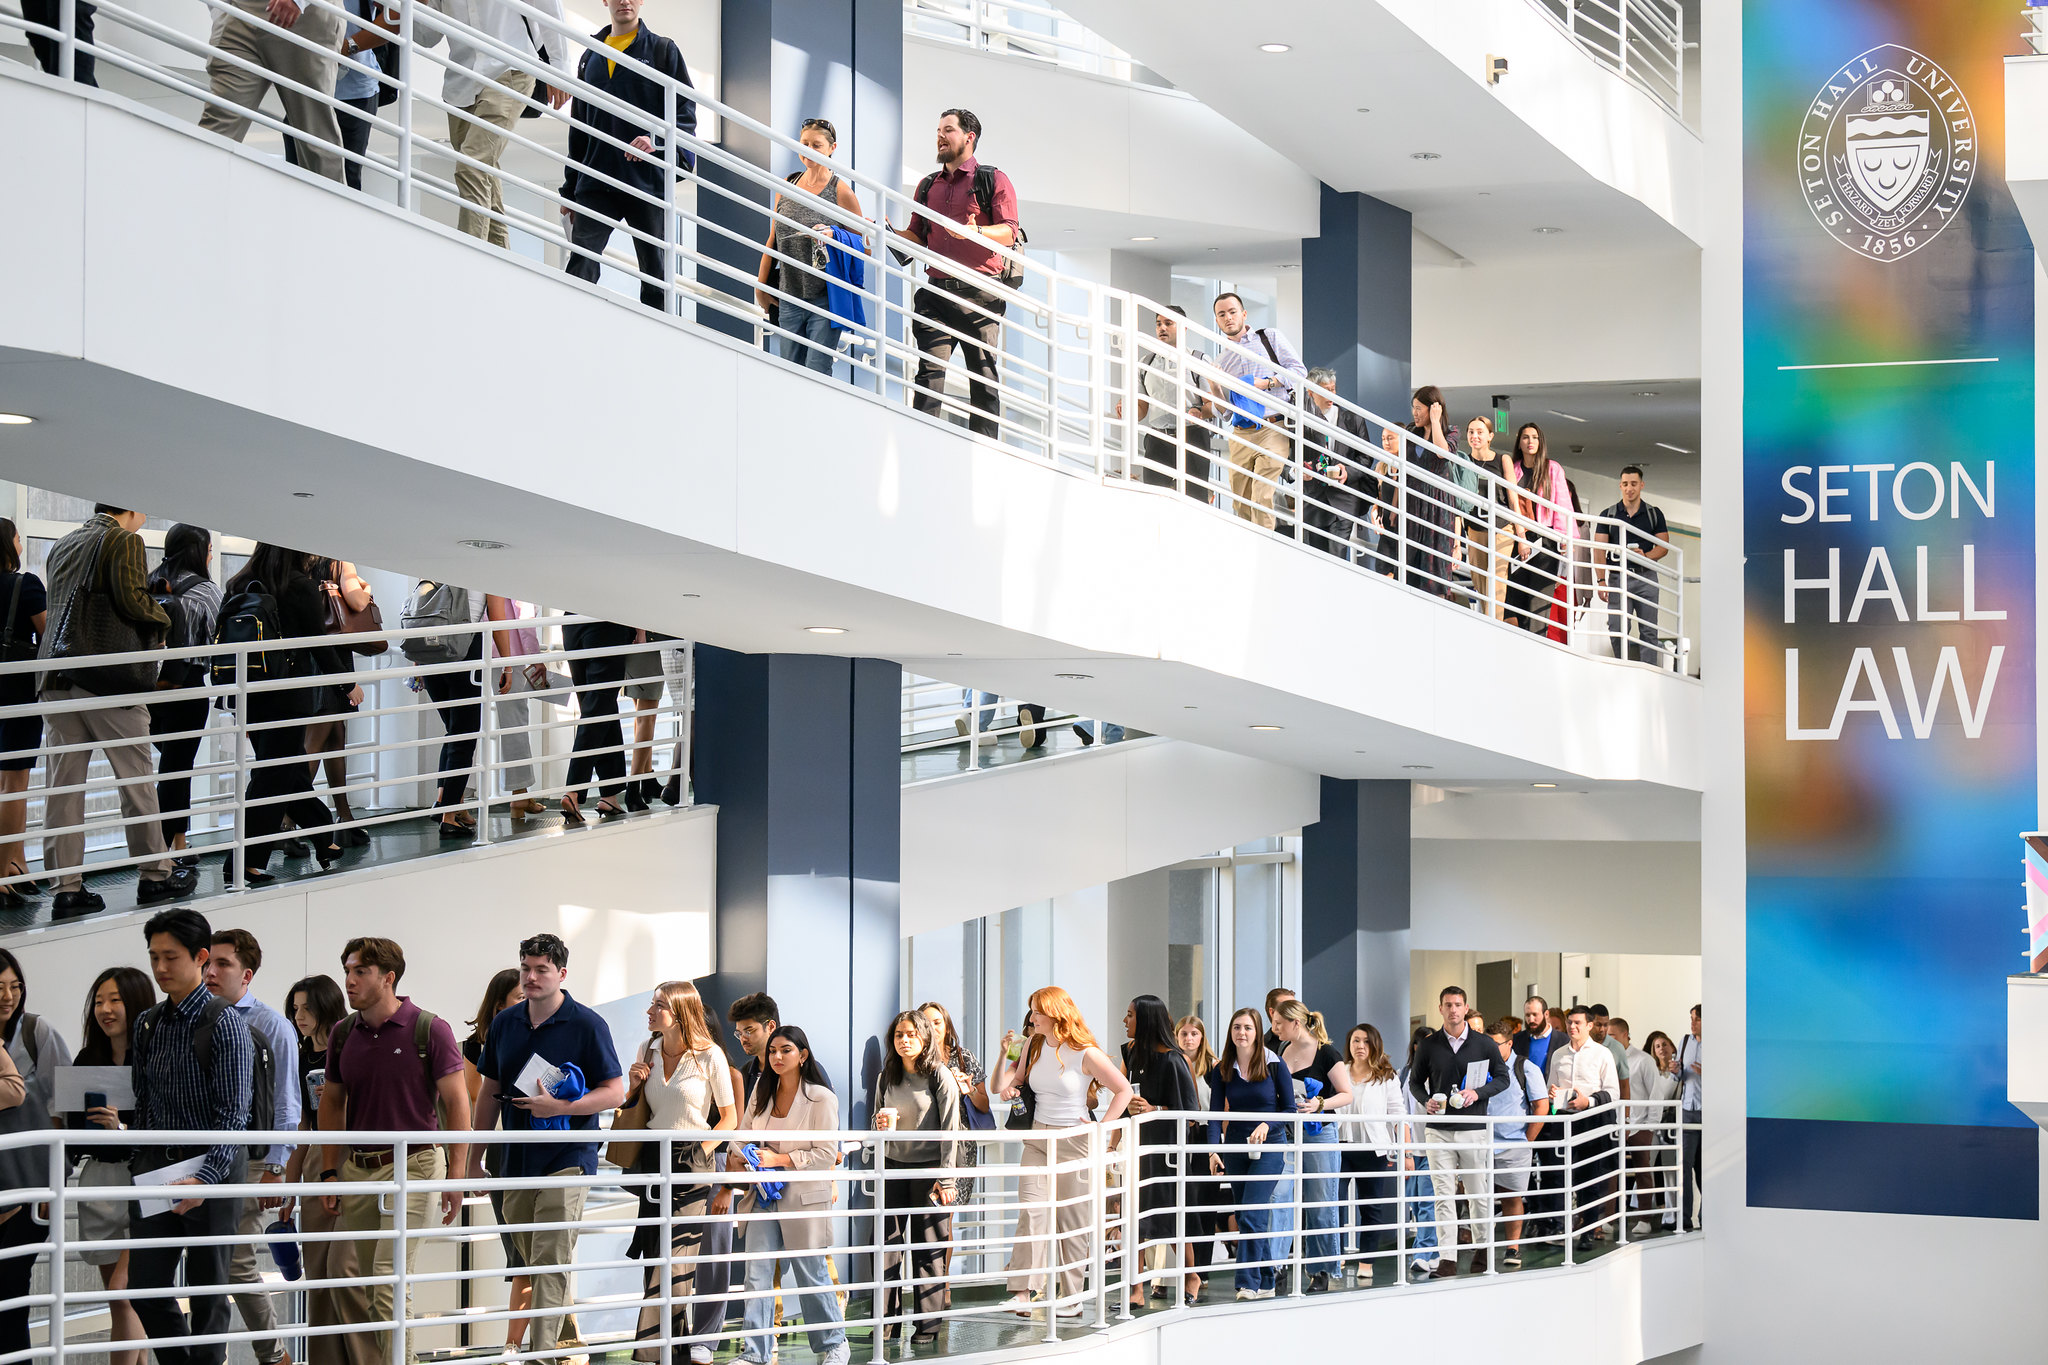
173	1094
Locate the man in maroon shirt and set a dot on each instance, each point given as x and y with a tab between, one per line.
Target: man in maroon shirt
390	1068
955	306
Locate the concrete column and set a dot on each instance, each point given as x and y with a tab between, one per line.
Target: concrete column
1358	310
801	755
784	62
1354	909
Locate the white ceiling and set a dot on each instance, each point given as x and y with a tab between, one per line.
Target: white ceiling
1623	424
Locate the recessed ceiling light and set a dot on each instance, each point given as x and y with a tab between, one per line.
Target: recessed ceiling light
1646	393
483	544
1288	265
1266	727
1190	708
953	654
1665	445
1273	47
1144	239
826	630
1076	677
1069	229
1543	786
1418	767
1567	416
1425	156
1486	194
1364	109
14	419
302	495
1546	231
1215	248
693	594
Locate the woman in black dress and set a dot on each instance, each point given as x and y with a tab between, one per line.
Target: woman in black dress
283	781
1428	502
1160	1072
22	613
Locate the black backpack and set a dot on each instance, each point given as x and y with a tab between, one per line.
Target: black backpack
188	627
985	198
262	1114
250	617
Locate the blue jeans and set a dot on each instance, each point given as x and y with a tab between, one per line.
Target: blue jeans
814	1290
1320	1216
1421	1212
1253	1179
820	333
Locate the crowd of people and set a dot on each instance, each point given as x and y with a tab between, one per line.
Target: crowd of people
132	712
1529	1112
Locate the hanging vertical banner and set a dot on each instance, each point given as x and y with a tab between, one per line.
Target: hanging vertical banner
1888	520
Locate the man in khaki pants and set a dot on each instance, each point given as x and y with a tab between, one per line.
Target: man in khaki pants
559	1031
390	1066
487	94
1260	447
255	33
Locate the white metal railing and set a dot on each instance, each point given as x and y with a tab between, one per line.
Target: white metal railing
1071	353
2036	31
1644	40
1039	32
248	714
939	715
1148	1199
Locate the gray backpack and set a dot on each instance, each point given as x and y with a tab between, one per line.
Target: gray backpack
435	604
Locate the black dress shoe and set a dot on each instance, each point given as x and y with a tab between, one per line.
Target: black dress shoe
182	882
76	904
10	899
295	848
636	797
650	790
254	876
672	791
450	832
1087	738
187	860
353	837
328	855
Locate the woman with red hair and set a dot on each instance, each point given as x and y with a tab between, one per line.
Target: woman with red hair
1058	1079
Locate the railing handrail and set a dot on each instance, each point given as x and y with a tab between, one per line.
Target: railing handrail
1638	27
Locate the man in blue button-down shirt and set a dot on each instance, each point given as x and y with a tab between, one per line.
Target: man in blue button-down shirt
175	1093
231	966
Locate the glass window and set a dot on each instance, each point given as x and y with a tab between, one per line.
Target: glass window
1258	921
43	505
1191	942
1026	954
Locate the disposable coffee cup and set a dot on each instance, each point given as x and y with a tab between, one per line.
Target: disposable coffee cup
887	1116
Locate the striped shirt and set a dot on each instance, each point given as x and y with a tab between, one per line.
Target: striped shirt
173	1094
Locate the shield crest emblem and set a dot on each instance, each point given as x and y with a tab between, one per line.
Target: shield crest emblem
1887	156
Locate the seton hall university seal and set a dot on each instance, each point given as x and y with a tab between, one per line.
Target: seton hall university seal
1887	153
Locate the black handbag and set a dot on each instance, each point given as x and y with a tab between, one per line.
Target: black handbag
15	649
89	625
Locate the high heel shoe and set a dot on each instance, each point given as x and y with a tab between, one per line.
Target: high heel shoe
255	876
353	836
606	810
672	791
636	798
328	854
10	899
572	816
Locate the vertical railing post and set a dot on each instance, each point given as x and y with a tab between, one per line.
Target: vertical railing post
1052	1241
668	1241
408	192
240	805
399	1220
59	1167
480	764
67	46
670	134
876	1293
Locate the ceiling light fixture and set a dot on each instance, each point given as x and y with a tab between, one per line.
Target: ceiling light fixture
1076	677
14	419
483	544
1418	767
1190	708
1364	109
1425	156
1567	416
1666	445
1647	393
1546	231
693	594
302	495
826	630
1267	727
1543	786
1274	47
953	654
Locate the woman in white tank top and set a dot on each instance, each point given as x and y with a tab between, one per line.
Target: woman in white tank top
1058	1066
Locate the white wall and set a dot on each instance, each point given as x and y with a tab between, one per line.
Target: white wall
1626	317
1079	141
633	901
983	842
1548	895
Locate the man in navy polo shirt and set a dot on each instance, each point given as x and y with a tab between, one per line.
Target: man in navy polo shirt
561	1032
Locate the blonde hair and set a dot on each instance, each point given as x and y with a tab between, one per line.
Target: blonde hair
686	1007
1294	1012
1204	1060
1069	1029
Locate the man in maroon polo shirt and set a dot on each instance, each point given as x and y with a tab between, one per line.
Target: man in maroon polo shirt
390	1066
955	307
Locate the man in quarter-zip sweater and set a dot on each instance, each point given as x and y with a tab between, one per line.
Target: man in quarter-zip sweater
1442	1073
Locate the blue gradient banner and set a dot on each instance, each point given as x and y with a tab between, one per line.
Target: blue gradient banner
1888	508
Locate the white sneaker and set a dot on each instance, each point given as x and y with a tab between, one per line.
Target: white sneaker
1670	1220
1023	1305
1641	1229
1268	1293
838	1355
700	1354
1247	1295
1071	1310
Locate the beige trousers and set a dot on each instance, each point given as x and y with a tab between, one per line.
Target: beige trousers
1029	1258
1490	569
1256	459
479	131
121	732
361	1213
562	1210
250	35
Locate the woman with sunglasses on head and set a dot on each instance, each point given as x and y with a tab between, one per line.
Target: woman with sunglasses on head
794	258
